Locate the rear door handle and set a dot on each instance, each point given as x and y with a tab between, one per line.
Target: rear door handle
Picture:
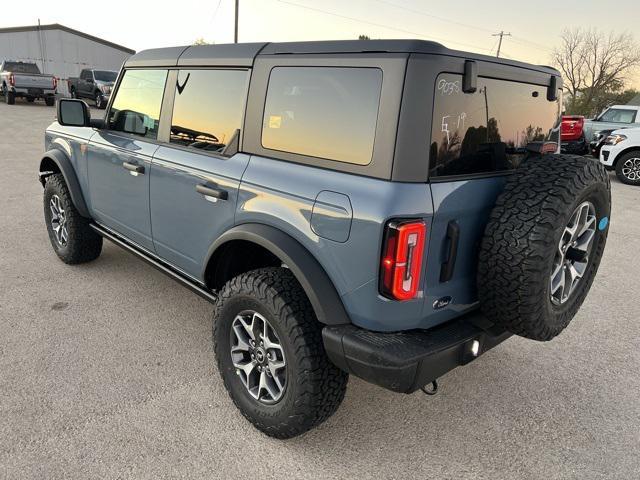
134	168
212	192
453	236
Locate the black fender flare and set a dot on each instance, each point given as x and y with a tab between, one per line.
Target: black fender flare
69	174
315	282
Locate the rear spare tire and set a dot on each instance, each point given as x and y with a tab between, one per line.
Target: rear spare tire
543	244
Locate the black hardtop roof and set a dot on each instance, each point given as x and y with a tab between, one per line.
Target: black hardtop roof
244	54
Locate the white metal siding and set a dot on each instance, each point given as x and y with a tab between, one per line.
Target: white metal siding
65	53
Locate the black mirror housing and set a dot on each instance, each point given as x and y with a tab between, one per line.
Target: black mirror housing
73	113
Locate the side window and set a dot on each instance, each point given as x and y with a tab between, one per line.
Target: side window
136	107
618	115
84	75
208	107
323	112
488	131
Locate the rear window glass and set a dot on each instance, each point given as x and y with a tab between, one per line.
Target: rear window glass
19	67
488	131
323	112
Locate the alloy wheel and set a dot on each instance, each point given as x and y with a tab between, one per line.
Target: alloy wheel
258	357
58	220
572	257
631	169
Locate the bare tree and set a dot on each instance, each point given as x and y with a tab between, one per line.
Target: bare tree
594	64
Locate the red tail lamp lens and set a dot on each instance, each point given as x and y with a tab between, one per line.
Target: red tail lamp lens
402	259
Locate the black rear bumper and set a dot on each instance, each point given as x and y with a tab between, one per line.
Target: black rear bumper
406	361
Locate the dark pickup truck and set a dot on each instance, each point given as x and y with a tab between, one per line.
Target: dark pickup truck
94	84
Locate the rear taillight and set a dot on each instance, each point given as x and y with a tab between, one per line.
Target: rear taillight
12	80
402	255
55	83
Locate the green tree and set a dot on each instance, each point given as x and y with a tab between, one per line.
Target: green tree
364	37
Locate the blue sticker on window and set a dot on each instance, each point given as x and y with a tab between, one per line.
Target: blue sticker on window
604	221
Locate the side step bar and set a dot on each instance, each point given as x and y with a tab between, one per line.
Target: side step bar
156	263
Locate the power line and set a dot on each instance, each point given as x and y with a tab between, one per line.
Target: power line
380	25
423	13
462	24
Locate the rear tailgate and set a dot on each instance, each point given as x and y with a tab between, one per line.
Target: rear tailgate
32	81
476	139
572	127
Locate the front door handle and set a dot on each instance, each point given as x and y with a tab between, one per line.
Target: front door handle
134	168
212	192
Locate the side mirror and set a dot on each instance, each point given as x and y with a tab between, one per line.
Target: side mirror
73	113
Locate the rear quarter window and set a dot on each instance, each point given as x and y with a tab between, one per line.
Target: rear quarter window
488	131
324	112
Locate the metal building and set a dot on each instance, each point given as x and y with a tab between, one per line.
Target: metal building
60	50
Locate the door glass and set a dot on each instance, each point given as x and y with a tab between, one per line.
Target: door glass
323	112
136	108
489	130
208	108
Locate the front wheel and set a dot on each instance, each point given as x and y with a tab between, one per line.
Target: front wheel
73	240
628	168
10	97
50	101
99	100
270	354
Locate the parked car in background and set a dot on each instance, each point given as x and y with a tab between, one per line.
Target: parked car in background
572	135
612	118
621	152
349	207
23	79
93	84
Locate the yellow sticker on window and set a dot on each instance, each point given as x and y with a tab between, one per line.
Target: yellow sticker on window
275	121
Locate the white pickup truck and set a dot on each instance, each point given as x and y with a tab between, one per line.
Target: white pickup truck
23	79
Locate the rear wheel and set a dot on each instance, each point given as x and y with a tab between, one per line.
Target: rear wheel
270	354
99	100
628	168
73	240
10	97
543	244
50	101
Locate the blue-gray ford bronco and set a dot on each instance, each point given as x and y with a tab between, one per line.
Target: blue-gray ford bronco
390	209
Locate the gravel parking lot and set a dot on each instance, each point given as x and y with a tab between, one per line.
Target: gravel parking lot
106	371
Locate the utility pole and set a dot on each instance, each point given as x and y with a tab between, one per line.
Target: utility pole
501	34
235	31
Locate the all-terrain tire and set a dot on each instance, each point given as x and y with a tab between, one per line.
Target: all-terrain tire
628	168
83	243
314	386
522	237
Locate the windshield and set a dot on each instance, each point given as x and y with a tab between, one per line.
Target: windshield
489	130
19	67
618	115
105	76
